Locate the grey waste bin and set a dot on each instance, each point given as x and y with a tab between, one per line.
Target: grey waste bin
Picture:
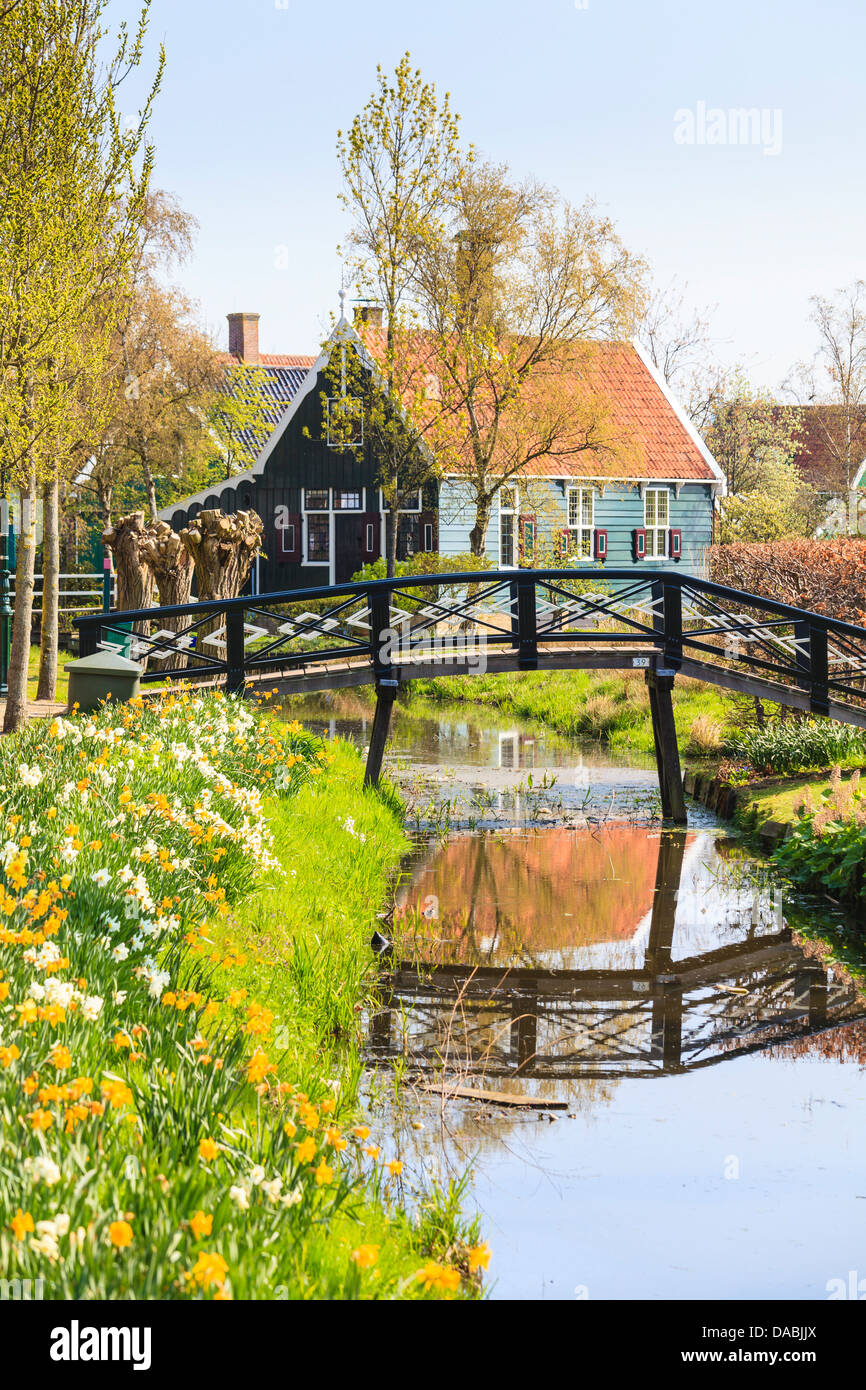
102	676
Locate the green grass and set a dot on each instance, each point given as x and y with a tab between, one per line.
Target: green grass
779	798
62	678
610	709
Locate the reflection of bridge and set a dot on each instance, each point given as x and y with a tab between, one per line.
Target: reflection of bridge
670	1015
388	631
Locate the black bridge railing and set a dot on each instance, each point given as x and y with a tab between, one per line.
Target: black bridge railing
387	630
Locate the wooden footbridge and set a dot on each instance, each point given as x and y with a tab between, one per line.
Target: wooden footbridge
386	632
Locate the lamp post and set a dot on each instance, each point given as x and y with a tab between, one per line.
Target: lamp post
5	606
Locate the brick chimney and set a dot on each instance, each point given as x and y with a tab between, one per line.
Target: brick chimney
244	336
368	315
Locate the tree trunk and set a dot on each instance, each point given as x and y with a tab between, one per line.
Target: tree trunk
392	523
150	486
166	556
222	549
105	493
134	579
478	534
49	631
16	700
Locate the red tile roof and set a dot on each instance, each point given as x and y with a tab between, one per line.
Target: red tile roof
273	359
663	447
645	436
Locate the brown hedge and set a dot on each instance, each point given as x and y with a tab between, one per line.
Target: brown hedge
827	576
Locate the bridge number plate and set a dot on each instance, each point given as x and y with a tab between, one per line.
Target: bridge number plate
640	661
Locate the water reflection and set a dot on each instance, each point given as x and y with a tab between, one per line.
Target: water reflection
568	954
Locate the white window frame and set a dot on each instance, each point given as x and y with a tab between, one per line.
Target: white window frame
344	511
319	564
306	504
514	512
383	508
582	532
656	535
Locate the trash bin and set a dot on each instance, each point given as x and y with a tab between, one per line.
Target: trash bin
102	676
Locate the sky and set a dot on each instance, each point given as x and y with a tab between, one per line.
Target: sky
623	101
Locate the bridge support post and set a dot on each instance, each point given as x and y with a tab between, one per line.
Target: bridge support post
660	685
386	692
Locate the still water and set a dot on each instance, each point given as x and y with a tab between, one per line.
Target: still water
551	942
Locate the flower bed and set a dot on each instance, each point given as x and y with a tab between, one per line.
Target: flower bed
151	1148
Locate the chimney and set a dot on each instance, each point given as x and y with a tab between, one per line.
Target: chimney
244	336
368	315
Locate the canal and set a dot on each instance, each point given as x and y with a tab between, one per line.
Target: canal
652	1083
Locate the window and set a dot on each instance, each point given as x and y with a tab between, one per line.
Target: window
581	518
408	537
317	499
507	527
345	422
347	501
656	511
318	538
409	502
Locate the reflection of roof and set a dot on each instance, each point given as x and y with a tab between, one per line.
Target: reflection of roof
656	439
551	891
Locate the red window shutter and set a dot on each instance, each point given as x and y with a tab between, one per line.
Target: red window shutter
289	540
528	537
371	537
601	545
638	543
675	544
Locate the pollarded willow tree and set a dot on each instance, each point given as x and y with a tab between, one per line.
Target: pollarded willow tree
399	162
73	180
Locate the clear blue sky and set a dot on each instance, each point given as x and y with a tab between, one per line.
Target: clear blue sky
585	98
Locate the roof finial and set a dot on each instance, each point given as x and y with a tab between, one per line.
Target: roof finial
342	303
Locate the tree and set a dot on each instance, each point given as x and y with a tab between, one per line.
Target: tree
748	430
179	415
779	504
72	188
517	295
166	557
836	379
223	549
134	578
398	162
678	340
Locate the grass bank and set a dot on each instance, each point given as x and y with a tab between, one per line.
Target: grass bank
611	709
182	964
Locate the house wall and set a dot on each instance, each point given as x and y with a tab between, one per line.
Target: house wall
619	509
300	460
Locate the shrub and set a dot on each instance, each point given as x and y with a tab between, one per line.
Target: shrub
797	746
827	850
705	737
598	715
